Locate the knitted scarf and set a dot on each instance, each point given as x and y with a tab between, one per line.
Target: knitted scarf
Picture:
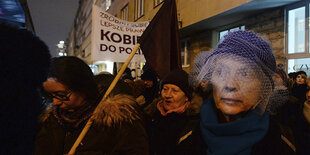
72	120
236	137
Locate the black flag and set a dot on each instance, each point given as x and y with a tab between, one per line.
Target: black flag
160	40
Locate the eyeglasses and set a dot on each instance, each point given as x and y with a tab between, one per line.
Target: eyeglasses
61	95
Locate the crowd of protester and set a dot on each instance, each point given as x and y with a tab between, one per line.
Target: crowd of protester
234	101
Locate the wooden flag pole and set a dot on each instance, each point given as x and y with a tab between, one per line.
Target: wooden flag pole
89	122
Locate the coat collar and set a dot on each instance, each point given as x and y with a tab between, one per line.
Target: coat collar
113	111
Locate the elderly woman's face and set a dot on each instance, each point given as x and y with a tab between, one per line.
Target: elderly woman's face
173	96
236	86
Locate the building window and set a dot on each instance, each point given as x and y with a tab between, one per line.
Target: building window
157	2
88	30
124	13
106	5
139	9
296	30
297	38
185	53
224	32
298	65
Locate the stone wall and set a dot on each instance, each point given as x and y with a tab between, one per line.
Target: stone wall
271	25
197	43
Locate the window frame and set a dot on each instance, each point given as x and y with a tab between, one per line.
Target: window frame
216	32
229	29
157	2
106	5
186	51
124	12
139	9
306	53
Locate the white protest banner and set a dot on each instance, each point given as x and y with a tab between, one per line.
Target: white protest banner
113	39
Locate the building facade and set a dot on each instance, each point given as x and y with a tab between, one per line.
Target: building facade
203	23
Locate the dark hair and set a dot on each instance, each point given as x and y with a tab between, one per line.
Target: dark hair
128	71
149	76
292	75
75	74
300	72
283	76
104	81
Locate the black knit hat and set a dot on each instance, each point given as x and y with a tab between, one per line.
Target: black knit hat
179	78
149	76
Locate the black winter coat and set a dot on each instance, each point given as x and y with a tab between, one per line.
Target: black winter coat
174	134
117	129
301	130
278	140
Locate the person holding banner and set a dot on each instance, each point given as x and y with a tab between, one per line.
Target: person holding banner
117	127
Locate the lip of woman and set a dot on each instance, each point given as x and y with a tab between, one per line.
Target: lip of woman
230	101
167	101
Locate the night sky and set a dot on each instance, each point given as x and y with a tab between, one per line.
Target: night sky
52	20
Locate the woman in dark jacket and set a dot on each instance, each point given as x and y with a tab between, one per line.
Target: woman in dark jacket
173	119
117	127
233	119
299	88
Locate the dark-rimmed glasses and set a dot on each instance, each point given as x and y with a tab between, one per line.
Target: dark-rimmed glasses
60	95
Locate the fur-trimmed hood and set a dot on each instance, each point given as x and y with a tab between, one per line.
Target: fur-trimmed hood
117	109
192	110
113	111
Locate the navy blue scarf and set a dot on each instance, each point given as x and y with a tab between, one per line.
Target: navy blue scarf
236	137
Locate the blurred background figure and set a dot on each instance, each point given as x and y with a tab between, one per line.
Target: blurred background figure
296	115
301	127
151	86
138	89
24	64
279	98
127	77
104	80
299	88
117	126
202	89
173	119
292	77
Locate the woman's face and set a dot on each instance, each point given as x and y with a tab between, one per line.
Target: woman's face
236	86
173	96
301	79
62	96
